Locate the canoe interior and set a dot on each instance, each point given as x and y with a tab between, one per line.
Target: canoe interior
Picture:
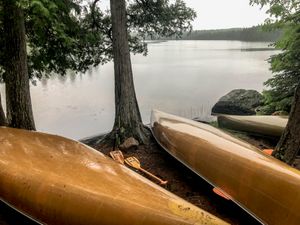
54	180
265	187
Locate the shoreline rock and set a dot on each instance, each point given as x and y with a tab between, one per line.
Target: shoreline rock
238	102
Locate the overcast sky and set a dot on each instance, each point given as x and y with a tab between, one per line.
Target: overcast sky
213	14
217	14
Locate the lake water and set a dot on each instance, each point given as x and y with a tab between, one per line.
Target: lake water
181	77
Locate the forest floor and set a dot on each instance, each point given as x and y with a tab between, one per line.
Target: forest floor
181	181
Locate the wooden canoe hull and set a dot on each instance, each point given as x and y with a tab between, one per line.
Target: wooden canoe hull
265	187
54	180
270	126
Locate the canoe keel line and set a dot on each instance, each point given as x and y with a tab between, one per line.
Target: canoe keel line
265	187
54	180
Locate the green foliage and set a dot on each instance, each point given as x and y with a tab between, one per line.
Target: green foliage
75	34
61	39
161	17
58	38
256	33
274	103
285	65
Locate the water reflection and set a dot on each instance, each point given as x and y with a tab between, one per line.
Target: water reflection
181	77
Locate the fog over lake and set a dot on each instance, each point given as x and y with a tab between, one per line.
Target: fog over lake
181	77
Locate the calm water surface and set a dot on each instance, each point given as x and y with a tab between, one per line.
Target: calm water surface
180	77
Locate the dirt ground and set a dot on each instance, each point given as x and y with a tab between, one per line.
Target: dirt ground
181	181
185	183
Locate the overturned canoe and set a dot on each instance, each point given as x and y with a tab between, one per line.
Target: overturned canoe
271	126
54	180
265	187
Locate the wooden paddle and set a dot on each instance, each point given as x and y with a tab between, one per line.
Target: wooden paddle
135	163
117	156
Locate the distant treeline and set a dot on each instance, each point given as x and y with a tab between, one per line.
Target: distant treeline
241	34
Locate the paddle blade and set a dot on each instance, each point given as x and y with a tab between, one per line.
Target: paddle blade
133	162
117	156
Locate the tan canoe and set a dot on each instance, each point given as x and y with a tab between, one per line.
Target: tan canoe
265	187
54	180
271	126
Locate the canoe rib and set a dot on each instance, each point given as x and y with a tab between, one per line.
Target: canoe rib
266	188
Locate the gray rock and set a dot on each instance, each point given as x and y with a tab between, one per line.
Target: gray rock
129	143
280	113
239	102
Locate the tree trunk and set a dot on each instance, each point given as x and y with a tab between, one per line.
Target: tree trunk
289	144
18	101
3	121
128	122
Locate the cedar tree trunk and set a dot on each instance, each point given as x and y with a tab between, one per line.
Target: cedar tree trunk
18	101
128	122
289	144
3	121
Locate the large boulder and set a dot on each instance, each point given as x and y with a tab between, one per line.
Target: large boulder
238	102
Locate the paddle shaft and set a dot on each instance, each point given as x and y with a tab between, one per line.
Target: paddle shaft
153	176
135	163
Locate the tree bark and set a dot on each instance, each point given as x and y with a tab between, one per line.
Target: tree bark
18	101
3	121
289	144
128	122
